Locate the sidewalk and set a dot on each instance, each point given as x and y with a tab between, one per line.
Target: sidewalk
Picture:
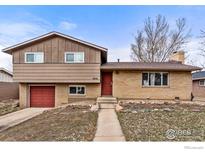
108	126
18	117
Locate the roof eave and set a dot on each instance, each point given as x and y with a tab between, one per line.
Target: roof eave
9	49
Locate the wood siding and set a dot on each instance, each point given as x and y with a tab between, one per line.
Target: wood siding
57	73
197	90
54	49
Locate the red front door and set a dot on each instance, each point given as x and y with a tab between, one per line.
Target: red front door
107	83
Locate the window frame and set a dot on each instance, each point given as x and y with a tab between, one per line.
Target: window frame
25	57
70	52
157	86
203	84
76	91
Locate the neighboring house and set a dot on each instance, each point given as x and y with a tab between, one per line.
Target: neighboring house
198	84
54	69
5	75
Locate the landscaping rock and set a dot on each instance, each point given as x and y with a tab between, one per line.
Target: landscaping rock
94	108
118	108
167	109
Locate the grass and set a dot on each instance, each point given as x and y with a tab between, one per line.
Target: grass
71	123
8	106
151	122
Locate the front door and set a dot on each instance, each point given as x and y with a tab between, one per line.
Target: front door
107	83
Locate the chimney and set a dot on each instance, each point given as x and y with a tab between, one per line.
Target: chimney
118	60
177	56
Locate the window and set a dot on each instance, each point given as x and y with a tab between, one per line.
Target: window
202	82
76	90
155	79
34	57
74	57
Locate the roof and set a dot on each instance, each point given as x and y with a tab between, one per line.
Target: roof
9	49
6	71
164	66
198	75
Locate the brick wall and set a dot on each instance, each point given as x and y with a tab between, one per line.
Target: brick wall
128	85
9	90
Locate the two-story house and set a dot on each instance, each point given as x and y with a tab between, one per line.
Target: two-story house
55	68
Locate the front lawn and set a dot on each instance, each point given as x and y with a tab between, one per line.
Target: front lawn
164	122
71	123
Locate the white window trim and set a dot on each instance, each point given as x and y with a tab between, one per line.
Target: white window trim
203	84
152	86
74	57
25	57
76	86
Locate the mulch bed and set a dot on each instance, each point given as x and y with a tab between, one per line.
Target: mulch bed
71	123
153	122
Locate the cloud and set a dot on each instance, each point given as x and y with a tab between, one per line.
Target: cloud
5	60
122	53
65	25
13	31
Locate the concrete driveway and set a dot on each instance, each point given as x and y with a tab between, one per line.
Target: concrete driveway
18	117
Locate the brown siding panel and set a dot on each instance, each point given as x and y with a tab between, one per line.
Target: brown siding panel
61	73
9	90
198	91
54	49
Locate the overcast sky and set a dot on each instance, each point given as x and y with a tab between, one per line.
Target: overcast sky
112	27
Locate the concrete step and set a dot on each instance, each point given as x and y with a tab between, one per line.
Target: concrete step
106	106
107	100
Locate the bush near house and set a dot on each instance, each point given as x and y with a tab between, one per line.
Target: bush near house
163	122
71	123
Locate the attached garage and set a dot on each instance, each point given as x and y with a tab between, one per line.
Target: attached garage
42	96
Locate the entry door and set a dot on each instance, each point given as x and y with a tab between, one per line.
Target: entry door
107	83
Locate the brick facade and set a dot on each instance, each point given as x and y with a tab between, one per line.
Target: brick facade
128	85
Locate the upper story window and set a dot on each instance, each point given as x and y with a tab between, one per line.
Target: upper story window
34	57
155	79
74	57
202	82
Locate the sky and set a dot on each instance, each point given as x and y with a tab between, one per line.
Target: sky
113	27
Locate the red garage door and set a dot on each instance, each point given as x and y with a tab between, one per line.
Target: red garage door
42	96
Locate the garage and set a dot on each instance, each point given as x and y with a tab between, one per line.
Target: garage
42	96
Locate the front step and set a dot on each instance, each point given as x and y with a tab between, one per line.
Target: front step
107	102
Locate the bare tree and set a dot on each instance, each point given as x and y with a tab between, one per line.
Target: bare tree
202	47
155	42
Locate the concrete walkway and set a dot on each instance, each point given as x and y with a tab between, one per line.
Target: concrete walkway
18	117
108	126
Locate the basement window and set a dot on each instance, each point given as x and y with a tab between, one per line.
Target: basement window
201	82
77	90
152	79
34	57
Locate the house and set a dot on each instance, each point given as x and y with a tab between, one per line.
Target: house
55	68
5	75
198	79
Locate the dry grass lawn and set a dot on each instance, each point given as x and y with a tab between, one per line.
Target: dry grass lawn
150	122
71	123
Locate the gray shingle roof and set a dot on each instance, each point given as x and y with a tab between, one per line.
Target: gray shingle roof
198	75
165	66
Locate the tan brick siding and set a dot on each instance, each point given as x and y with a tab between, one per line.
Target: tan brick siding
128	84
198	91
61	94
23	95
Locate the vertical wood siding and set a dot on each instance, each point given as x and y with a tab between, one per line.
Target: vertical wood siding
54	49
